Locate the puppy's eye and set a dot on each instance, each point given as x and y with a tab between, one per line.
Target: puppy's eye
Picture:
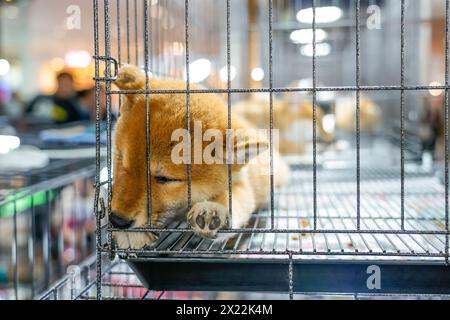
164	180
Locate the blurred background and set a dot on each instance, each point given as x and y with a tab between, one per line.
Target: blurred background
47	98
46	52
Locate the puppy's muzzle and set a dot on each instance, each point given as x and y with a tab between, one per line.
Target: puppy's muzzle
120	222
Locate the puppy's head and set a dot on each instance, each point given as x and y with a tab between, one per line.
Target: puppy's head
162	149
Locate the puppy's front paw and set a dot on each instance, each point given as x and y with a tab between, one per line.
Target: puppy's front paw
206	218
134	240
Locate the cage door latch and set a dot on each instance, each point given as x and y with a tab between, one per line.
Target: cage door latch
116	68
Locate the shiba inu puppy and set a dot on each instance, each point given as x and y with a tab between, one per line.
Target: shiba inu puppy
169	177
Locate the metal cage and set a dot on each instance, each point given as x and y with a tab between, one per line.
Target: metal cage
45	225
331	229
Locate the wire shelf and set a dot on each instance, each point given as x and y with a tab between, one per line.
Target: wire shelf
46	225
336	232
38	179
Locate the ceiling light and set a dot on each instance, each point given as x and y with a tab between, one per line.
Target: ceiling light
305	36
435	92
4	67
323	14
223	73
329	123
257	74
77	59
199	70
322	49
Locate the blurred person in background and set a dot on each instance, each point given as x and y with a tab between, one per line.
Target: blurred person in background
86	100
62	107
433	128
15	107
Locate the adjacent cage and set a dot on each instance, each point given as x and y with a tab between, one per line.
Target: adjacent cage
367	204
46	225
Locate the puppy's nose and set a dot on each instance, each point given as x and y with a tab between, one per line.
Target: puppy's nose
119	221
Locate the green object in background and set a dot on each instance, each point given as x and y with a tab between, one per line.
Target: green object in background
4	278
20	203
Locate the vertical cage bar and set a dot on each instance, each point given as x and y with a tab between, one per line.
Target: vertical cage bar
447	15
272	211
15	253
157	38
119	44
147	36
77	234
47	239
61	241
136	32
84	233
32	245
291	278
73	216
86	275
98	231
230	177
188	98
402	116
72	287
128	31
108	114
314	27
150	38
119	33
358	115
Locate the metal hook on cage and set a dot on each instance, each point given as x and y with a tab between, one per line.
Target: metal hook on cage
102	211
111	250
116	68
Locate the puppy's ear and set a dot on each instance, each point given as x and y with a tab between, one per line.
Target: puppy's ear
246	145
130	77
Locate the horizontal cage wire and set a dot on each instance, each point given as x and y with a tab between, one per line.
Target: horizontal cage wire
374	202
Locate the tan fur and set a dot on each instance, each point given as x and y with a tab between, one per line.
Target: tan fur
370	115
285	115
209	183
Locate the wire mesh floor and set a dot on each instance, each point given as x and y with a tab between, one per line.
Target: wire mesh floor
339	261
380	210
